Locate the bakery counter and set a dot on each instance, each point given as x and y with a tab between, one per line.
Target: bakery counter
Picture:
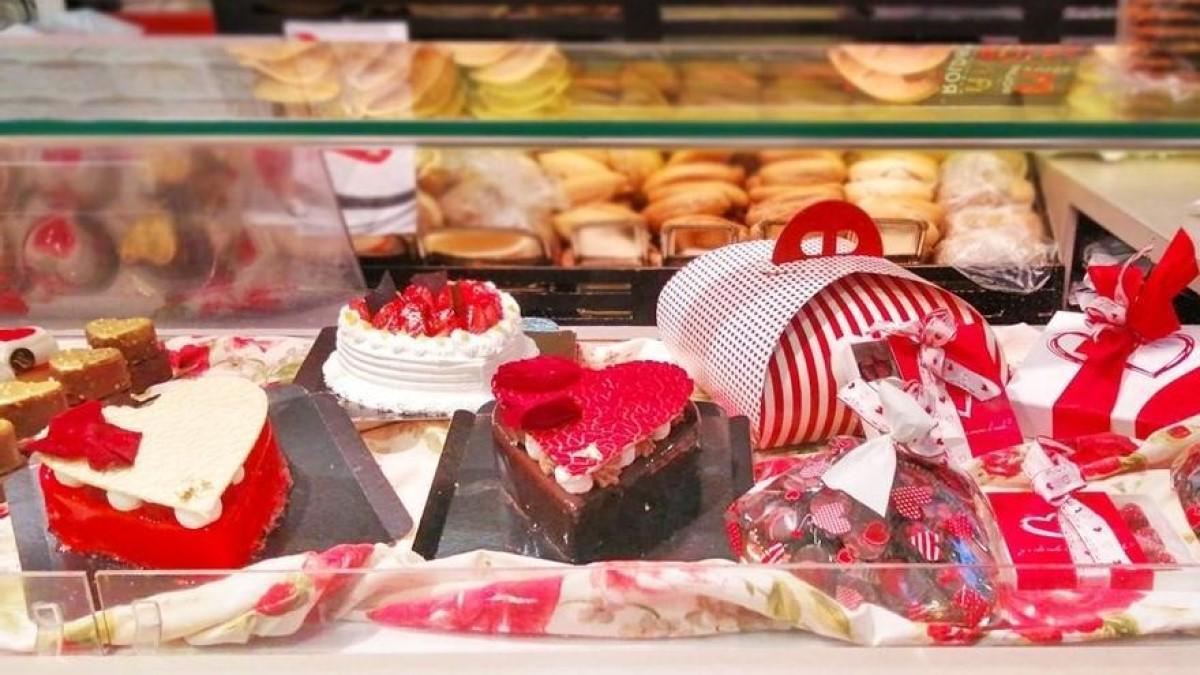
1140	200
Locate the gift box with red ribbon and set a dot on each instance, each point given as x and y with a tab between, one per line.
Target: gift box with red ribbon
1125	364
1066	534
755	323
949	367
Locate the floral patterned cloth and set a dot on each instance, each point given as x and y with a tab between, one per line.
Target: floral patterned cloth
501	594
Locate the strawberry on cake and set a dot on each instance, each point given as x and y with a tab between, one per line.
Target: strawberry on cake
192	480
430	350
600	460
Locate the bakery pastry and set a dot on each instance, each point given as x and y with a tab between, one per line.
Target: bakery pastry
1017	217
62	251
803	171
23	348
822	190
889	188
692	172
694	234
737	196
432	349
900	165
596	457
29	406
150	371
699	198
192	480
874	80
135	337
899	60
10	454
90	374
567	222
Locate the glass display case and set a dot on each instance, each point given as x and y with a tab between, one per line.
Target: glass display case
240	192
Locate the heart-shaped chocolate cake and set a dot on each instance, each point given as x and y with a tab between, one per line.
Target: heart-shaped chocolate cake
594	455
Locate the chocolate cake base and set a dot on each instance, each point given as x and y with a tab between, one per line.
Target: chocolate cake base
655	496
149	372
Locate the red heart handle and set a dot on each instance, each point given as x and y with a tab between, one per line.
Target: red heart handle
828	219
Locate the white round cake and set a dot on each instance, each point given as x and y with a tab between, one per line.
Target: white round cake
394	371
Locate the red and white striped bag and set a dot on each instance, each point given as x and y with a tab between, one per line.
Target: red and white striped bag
755	323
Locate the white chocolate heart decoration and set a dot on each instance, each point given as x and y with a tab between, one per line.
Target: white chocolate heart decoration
195	438
1042	526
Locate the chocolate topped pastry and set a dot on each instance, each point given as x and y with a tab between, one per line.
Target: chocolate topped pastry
90	374
135	338
149	372
28	406
10	455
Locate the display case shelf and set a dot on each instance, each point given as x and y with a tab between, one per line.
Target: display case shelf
542	93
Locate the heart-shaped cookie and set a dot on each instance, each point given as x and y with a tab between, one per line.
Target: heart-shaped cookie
195	437
614	407
1150	360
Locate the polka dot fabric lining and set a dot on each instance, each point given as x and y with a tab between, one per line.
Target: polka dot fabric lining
745	330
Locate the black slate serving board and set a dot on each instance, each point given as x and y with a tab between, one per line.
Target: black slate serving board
339	495
469	509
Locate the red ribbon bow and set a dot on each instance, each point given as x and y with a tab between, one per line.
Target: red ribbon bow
1128	311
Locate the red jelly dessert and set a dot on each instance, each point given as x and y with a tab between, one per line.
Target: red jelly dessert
195	480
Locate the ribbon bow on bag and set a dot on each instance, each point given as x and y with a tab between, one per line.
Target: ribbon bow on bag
1089	538
867	472
1126	311
940	365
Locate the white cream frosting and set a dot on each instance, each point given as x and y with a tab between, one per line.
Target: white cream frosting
396	372
577	484
66	480
194	521
121	501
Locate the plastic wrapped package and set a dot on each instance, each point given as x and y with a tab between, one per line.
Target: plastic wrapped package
993	235
1186	478
890	500
934	518
501	190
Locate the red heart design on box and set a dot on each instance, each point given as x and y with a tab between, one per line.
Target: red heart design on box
375	156
617	406
1066	345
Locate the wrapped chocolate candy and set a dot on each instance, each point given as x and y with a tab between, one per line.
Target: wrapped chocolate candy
907	526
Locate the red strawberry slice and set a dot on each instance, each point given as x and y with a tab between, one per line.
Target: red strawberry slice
359	306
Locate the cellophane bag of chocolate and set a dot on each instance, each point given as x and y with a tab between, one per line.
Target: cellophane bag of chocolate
926	559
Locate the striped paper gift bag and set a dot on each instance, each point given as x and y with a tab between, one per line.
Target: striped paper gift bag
755	323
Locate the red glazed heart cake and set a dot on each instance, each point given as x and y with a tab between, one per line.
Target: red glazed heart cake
582	425
602	462
193	480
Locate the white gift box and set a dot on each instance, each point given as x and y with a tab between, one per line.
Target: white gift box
1158	386
755	323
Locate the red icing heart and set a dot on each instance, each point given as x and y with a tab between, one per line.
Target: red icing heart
10	334
1066	345
618	405
83	433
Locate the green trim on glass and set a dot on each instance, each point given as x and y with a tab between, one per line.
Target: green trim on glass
1033	130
